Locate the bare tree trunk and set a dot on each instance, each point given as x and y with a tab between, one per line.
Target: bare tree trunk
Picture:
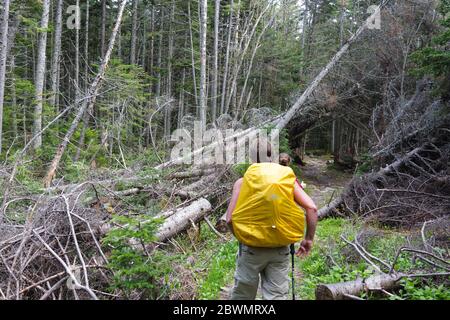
14	99
134	32
86	72
181	102
177	220
238	65
227	61
304	24
182	219
203	97
168	111
161	30
89	100
77	52
286	117
86	49
3	46
152	41
194	77
56	54
345	290
215	62
255	49
143	57
40	74
103	29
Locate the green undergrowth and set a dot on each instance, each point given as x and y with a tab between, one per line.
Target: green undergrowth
220	271
332	261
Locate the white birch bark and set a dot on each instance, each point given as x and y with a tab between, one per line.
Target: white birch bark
40	74
3	46
203	98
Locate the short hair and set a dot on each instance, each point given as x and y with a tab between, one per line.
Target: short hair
284	159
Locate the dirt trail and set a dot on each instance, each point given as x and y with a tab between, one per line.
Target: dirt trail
323	184
323	181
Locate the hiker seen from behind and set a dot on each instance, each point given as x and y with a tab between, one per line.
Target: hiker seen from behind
267	214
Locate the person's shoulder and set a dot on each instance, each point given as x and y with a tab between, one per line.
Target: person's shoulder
238	182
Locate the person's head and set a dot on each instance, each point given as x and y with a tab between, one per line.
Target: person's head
260	151
284	159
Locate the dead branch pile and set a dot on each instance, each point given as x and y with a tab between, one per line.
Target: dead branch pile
55	254
50	245
415	185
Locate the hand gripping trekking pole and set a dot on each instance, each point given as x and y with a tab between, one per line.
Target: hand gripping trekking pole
292	247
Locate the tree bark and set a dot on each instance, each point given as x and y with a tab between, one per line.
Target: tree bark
86	48
181	219
203	31
227	61
40	74
159	62
191	38
77	52
342	290
89	100
177	220
168	110
134	33
215	62
86	73
3	46
103	29
56	54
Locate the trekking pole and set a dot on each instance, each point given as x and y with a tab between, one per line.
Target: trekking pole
292	247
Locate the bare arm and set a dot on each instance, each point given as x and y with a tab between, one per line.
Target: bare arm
234	199
305	201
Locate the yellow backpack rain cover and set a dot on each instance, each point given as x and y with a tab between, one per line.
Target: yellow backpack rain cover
266	214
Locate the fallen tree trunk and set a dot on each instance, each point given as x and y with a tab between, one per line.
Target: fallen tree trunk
191	174
330	209
350	289
379	282
176	220
181	219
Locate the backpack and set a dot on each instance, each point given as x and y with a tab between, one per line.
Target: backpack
266	214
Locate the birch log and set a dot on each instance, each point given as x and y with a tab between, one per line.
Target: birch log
180	220
342	290
177	220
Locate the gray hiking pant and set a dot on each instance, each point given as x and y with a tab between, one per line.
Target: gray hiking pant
269	264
